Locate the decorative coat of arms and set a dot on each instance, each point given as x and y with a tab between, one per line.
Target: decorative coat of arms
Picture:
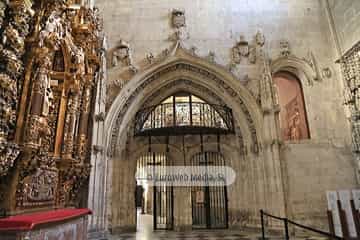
178	18
240	50
122	54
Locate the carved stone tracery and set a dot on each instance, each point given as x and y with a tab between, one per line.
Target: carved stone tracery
194	70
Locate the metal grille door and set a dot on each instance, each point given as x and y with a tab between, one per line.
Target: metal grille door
163	197
209	203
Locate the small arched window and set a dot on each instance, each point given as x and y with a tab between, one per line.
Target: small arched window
293	119
184	113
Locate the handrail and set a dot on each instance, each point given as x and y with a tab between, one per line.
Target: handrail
286	226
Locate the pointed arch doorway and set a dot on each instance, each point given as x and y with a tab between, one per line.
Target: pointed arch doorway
183	71
176	116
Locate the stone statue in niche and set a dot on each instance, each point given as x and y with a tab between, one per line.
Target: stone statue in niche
178	18
122	54
284	48
260	38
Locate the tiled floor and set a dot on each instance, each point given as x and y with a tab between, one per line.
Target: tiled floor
145	232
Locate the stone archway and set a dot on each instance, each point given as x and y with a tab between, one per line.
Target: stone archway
178	71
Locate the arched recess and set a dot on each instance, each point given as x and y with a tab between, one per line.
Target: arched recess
180	70
142	86
302	69
293	115
303	75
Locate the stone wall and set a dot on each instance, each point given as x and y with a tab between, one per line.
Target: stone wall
215	26
346	15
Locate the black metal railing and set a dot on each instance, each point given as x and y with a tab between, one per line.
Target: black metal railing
287	222
184	115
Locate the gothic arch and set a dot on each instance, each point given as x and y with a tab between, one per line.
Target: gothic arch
182	70
182	65
304	73
298	67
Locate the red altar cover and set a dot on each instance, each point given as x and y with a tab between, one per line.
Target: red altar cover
29	221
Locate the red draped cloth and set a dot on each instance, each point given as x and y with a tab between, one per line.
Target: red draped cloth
27	222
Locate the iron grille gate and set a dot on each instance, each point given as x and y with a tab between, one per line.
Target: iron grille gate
163	197
209	203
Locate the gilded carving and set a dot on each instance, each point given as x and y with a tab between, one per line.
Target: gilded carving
61	70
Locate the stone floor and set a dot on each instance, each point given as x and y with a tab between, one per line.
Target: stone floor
145	232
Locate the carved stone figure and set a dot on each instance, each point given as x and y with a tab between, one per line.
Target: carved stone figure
211	56
284	48
260	38
122	54
150	58
178	18
252	55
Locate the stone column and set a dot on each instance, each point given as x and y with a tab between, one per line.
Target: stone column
275	195
97	198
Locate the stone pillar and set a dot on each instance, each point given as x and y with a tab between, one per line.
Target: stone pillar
97	198
275	195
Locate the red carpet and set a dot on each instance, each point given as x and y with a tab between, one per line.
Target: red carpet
29	221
